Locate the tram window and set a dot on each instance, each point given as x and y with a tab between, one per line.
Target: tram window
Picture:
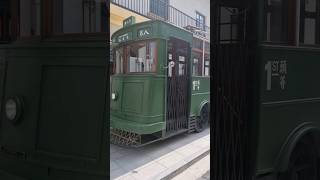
119	60
77	16
182	65
4	28
309	31
195	67
274	21
229	24
25	19
197	63
141	57
280	21
309	18
4	21
310	5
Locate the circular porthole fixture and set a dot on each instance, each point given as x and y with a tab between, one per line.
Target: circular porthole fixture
13	109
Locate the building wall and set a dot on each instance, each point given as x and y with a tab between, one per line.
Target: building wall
191	6
118	14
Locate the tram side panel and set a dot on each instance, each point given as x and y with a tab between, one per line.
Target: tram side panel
138	106
3	67
200	94
290	104
63	109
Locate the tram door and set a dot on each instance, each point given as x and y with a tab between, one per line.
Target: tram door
177	86
233	62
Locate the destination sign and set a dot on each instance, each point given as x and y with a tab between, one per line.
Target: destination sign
124	37
144	32
129	21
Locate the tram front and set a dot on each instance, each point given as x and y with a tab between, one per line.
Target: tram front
139	92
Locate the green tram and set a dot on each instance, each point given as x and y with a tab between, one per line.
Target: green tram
158	87
53	90
266	91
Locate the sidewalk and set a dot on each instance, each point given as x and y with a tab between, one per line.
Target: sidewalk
158	160
198	171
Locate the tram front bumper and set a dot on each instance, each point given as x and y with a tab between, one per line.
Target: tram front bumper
136	127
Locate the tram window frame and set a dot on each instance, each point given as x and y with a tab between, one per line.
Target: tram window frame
304	15
39	16
25	23
181	66
49	33
4	28
147	43
206	67
287	32
195	66
125	64
115	61
197	54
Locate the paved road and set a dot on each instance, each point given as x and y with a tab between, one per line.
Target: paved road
127	160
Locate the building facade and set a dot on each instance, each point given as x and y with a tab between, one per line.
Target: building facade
188	14
191	15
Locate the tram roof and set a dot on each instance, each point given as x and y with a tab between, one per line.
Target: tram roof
153	29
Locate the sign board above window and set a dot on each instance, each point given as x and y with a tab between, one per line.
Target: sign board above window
124	37
129	21
144	32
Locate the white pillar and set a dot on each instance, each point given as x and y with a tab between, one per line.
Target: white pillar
203	49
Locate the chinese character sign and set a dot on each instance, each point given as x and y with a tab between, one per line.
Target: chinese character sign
196	85
276	69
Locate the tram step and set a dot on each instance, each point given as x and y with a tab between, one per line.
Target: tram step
192	124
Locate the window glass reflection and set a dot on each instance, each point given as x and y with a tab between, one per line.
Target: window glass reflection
309	31
78	16
141	57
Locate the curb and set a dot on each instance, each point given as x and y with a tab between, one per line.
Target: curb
179	170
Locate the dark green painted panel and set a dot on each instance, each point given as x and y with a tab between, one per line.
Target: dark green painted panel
200	94
132	97
282	110
140	103
73	89
62	130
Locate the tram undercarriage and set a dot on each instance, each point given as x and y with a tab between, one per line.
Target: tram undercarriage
125	138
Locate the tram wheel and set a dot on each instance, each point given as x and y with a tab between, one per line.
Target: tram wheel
202	120
303	162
